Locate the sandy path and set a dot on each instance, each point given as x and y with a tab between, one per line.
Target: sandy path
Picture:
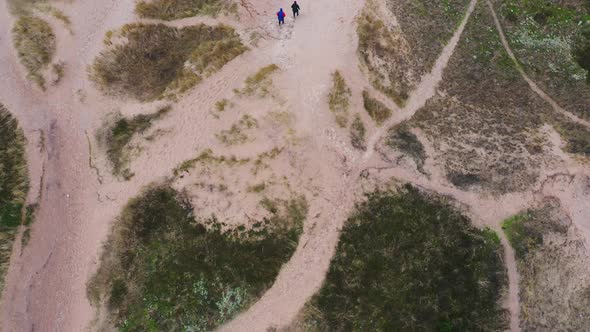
46	283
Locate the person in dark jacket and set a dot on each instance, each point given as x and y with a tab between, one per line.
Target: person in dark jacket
296	8
281	16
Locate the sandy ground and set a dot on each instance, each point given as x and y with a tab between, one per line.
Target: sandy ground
46	284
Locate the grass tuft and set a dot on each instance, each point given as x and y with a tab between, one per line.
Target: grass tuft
117	137
376	109
339	99
236	135
35	44
259	83
164	268
401	138
358	133
156	61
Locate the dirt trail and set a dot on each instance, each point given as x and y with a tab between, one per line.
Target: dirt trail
529	81
46	283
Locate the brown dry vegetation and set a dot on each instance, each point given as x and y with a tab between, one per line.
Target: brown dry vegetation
554	270
175	9
35	43
339	99
376	109
151	61
258	84
485	127
397	56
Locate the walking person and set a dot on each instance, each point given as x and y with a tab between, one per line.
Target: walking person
281	16
296	8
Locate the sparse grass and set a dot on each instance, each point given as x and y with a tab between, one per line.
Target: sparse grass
485	128
552	262
175	9
236	135
156	61
164	268
209	158
396	56
56	13
550	39
13	186
261	162
35	44
401	138
408	261
257	188
259	83
358	134
221	105
117	138
58	72
339	99
376	109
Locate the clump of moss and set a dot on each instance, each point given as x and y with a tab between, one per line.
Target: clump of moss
164	268
236	135
13	185
376	109
117	138
409	261
158	61
35	43
259	83
339	99
358	133
176	9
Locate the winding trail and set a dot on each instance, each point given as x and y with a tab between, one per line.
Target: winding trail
46	287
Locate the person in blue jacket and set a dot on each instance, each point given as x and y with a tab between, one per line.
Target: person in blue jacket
281	16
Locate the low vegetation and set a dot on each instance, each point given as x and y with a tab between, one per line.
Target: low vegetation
152	61
358	134
165	268
236	134
486	128
13	186
398	52
176	9
117	135
376	109
208	157
550	40
260	83
34	42
339	99
554	270
409	261
401	138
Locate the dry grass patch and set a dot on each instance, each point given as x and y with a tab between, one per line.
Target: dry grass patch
339	99
376	109
236	134
35	44
13	186
152	61
553	265
401	138
176	9
117	136
260	83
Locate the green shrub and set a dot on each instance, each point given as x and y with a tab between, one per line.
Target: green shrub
165	269
409	262
376	109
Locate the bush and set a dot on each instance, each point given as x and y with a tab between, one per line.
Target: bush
407	261
165	269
